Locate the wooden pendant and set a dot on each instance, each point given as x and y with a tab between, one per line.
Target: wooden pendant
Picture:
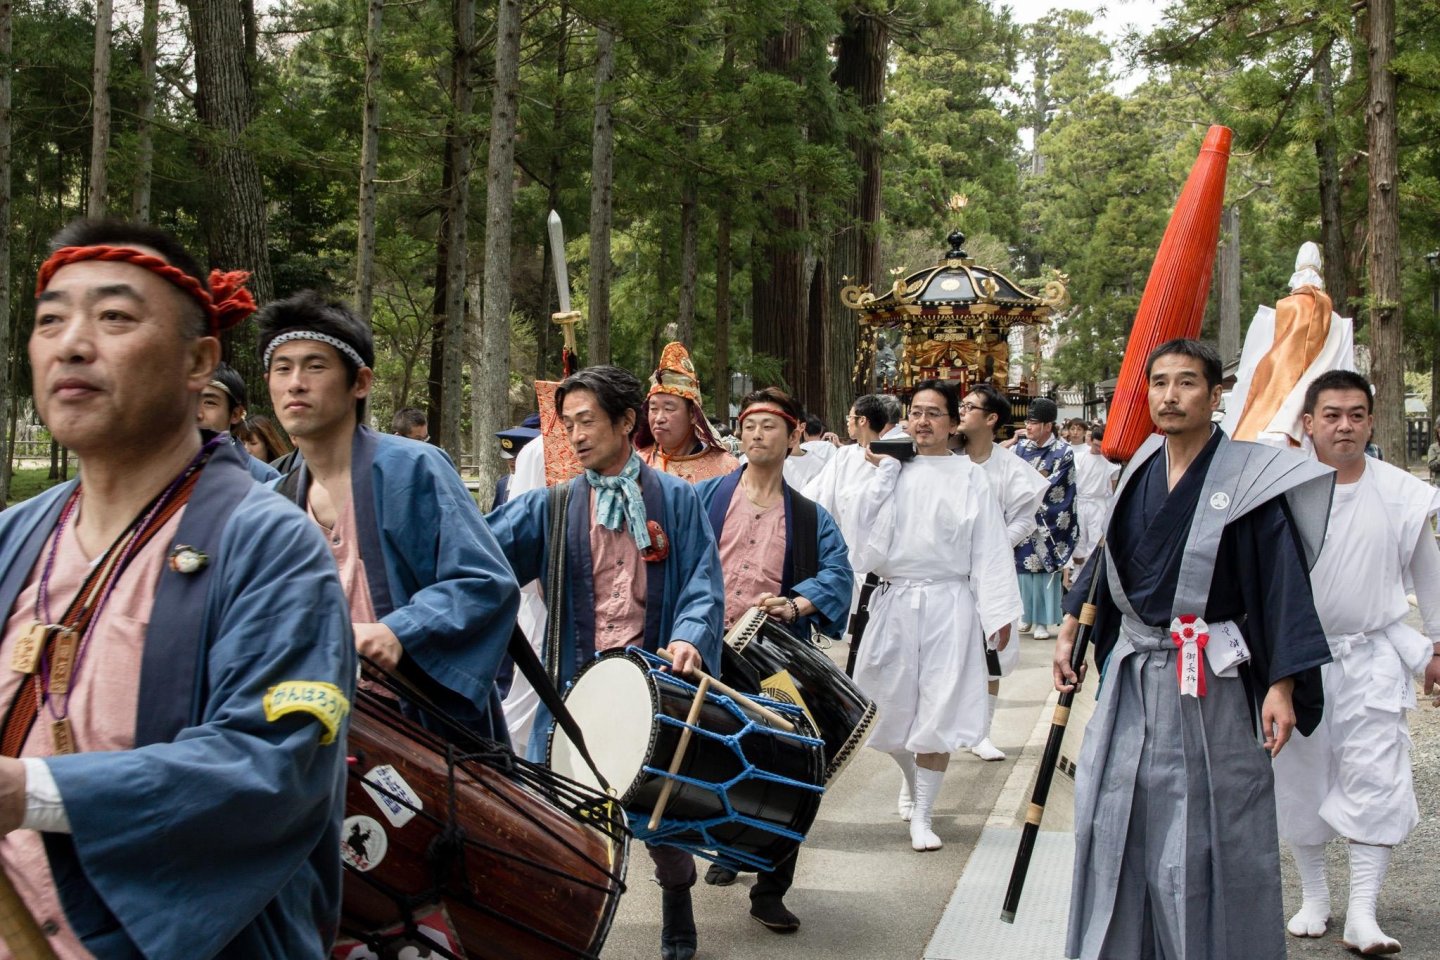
62	737
62	660
26	656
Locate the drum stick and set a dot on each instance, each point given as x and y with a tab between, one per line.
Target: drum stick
690	720
770	716
18	927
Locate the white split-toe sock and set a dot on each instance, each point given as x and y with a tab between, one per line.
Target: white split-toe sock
1368	865
985	749
927	788
905	804
1313	918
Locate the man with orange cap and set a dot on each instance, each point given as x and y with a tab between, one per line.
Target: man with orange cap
674	436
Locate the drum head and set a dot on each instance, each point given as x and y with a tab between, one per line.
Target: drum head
613	704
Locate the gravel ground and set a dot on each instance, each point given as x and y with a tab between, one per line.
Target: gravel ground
1409	908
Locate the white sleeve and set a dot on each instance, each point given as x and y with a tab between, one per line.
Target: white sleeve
1425	575
44	809
875	517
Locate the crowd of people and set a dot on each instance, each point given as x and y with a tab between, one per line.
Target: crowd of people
183	641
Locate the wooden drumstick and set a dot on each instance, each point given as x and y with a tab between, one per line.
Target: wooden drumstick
18	927
684	745
770	716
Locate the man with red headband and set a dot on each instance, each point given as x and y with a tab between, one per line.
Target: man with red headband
171	786
782	553
673	435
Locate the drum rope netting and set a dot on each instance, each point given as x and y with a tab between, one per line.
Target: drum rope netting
571	797
748	771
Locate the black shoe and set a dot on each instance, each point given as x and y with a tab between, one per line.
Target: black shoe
677	924
718	876
772	913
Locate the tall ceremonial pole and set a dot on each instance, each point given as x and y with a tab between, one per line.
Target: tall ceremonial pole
1046	774
1173	304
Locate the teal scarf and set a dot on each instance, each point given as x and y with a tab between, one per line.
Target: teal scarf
618	502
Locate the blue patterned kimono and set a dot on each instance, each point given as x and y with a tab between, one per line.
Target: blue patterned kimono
218	835
1057	524
687	583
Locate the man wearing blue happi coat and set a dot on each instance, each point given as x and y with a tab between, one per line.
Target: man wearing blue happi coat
640	568
427	585
172	785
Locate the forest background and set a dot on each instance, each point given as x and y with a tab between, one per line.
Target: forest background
720	165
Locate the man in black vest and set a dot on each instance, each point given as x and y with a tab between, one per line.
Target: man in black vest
782	553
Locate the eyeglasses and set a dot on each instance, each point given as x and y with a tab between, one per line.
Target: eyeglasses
966	406
927	413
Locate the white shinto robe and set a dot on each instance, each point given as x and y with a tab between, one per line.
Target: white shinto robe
932	530
1352	777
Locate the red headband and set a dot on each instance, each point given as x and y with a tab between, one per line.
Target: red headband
226	303
768	408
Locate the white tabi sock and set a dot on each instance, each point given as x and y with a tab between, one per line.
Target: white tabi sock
1368	864
905	805
986	750
927	788
1313	918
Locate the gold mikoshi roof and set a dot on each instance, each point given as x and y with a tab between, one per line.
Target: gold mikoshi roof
956	287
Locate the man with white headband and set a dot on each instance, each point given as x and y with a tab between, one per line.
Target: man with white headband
171	785
427	585
222	405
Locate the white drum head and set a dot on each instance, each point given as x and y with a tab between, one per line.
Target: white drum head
612	705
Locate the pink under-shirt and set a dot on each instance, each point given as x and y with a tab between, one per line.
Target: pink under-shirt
752	553
345	546
104	695
619	586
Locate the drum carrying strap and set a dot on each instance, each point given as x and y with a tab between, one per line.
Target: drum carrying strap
543	680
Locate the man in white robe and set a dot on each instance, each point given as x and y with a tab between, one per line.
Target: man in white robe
1094	482
1351	778
932	531
1018	490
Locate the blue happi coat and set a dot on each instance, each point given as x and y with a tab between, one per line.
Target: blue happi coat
1057	525
687	582
218	835
833	581
436	576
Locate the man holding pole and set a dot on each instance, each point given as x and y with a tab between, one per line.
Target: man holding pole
1205	622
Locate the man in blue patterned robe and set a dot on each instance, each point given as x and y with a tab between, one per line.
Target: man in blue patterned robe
1039	560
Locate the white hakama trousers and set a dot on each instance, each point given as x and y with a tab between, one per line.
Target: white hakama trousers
923	663
1352	777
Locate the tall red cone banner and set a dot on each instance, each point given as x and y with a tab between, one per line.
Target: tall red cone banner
1173	304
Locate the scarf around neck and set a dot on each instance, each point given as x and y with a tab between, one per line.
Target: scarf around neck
618	503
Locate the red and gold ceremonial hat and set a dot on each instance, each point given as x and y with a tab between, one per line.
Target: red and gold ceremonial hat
676	374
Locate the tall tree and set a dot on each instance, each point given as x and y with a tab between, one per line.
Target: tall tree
100	115
236	226
369	162
1332	234
7	403
462	148
145	115
1227	280
1387	333
491	385
861	64
602	179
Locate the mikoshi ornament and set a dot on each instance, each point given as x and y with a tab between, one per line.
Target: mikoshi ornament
1173	304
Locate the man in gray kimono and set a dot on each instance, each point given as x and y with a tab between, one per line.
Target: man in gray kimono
1205	625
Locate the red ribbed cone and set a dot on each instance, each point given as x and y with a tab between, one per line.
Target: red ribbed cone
1173	304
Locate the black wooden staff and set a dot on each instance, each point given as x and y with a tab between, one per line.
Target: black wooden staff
1052	753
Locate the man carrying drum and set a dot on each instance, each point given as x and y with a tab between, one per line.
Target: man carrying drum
760	536
178	791
426	583
639	568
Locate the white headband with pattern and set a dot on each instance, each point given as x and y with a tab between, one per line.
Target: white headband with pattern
335	342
